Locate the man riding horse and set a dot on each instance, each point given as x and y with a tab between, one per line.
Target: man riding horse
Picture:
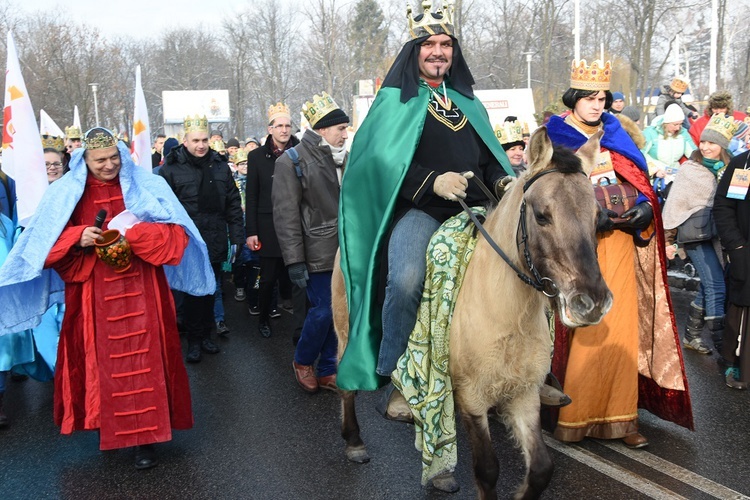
424	137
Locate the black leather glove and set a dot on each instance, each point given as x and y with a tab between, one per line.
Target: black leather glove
298	274
638	217
604	220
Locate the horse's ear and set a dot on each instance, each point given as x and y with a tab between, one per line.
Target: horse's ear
539	151
589	152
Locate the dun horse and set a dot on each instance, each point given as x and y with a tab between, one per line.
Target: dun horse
499	335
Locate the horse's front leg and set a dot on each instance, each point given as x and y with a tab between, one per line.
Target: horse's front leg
355	447
522	416
485	463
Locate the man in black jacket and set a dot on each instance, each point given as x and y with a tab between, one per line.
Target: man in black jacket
260	230
202	181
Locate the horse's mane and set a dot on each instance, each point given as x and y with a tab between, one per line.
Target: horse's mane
565	160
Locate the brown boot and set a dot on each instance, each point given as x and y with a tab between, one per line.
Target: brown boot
4	422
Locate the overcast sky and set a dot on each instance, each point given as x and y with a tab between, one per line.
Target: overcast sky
138	17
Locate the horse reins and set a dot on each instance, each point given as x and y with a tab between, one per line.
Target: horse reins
539	283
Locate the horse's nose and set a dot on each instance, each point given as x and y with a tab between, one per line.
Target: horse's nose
582	305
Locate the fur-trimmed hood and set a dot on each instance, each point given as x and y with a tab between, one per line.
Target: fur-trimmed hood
632	129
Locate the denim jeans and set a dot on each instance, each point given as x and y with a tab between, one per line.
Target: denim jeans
403	291
219	296
712	290
318	339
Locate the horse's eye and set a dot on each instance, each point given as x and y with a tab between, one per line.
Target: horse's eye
541	219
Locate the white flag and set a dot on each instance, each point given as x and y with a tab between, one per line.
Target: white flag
141	148
23	159
47	125
76	118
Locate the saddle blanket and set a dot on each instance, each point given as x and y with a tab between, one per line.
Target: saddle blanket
422	373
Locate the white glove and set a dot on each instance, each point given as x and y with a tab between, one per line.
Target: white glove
452	185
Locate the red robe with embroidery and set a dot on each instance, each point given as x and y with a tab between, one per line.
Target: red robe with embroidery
119	362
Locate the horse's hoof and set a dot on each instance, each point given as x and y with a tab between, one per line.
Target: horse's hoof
445	482
357	455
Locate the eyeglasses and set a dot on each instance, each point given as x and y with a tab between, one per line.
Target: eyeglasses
54	165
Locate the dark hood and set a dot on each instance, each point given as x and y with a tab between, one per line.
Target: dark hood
404	72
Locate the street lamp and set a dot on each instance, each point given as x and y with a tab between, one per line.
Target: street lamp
528	67
94	88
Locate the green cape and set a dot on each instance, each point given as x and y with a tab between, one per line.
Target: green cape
381	154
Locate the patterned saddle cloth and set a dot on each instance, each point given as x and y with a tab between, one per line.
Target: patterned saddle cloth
422	373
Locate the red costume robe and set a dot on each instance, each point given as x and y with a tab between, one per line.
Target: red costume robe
119	366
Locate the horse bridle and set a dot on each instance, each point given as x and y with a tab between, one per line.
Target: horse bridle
539	283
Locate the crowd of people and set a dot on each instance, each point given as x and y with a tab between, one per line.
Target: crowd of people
272	214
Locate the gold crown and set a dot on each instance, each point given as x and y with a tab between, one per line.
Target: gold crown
196	124
526	132
679	85
724	125
320	106
239	157
431	23
50	141
594	77
73	132
508	132
278	110
99	138
218	146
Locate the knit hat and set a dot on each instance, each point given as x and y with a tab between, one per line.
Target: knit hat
720	99
233	142
170	143
719	130
252	139
618	96
631	112
673	114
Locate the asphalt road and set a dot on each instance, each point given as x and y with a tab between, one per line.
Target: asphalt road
257	435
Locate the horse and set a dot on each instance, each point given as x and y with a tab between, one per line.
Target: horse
499	334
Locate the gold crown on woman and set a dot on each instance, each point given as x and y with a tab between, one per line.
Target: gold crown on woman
73	132
431	23
593	77
508	132
51	141
278	110
320	106
195	124
724	125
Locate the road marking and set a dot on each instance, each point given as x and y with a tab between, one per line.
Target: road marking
684	475
626	477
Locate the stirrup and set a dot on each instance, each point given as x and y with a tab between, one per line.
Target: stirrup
551	393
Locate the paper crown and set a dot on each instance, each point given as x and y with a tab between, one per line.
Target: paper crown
320	106
679	84
196	124
51	141
594	77
239	157
73	132
526	132
724	125
278	110
218	146
99	138
431	23
508	132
